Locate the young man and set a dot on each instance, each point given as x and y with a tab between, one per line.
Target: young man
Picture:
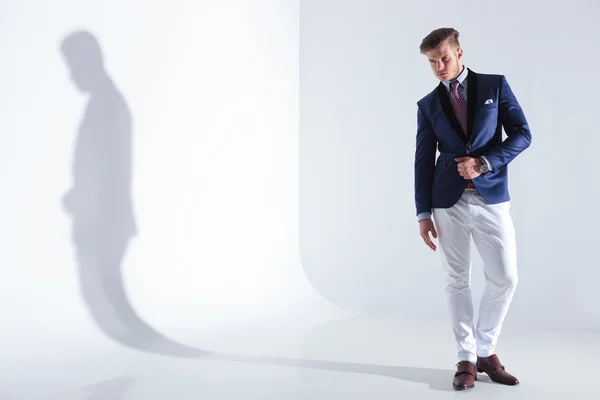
466	194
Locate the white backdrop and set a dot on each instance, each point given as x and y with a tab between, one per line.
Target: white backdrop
228	177
361	75
211	92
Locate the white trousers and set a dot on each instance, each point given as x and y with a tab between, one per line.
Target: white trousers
492	230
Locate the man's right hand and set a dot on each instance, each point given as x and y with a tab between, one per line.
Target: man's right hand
426	226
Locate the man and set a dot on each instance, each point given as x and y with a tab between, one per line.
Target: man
466	194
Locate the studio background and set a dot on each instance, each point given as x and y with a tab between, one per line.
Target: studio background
192	142
270	162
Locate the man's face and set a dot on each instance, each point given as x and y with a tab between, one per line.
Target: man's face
445	62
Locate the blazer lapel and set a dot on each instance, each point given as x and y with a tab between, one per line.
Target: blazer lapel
472	90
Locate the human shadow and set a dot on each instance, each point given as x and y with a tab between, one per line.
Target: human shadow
436	379
100	201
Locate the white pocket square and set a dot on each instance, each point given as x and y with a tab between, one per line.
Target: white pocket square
489	101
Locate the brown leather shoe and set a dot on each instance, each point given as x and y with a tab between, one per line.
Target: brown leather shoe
465	376
495	370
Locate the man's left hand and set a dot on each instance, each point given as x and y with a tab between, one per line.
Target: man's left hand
469	167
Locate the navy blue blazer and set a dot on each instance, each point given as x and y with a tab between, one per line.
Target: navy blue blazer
491	106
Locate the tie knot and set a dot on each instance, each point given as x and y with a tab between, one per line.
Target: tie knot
454	86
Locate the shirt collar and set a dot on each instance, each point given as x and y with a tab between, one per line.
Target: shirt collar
461	79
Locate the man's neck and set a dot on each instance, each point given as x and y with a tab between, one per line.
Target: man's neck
460	72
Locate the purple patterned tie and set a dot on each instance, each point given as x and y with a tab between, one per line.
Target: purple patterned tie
460	106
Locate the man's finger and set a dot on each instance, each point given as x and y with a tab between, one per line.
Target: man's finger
431	245
428	241
425	237
461	159
434	233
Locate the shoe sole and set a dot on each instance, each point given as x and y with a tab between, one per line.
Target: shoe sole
462	387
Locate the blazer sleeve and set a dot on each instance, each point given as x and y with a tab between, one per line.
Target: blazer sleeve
515	125
424	165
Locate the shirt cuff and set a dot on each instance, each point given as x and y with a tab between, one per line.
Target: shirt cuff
423	215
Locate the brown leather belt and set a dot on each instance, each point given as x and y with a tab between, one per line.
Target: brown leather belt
469	184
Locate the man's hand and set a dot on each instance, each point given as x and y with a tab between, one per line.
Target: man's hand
426	226
469	167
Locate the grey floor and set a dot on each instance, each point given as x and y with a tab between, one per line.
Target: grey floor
360	357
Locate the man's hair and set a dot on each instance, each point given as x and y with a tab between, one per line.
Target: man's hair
439	37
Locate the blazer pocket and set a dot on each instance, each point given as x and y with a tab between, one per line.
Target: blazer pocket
483	107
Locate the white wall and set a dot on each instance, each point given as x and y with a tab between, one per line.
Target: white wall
203	117
361	75
228	178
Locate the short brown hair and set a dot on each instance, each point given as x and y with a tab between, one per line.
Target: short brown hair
438	37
